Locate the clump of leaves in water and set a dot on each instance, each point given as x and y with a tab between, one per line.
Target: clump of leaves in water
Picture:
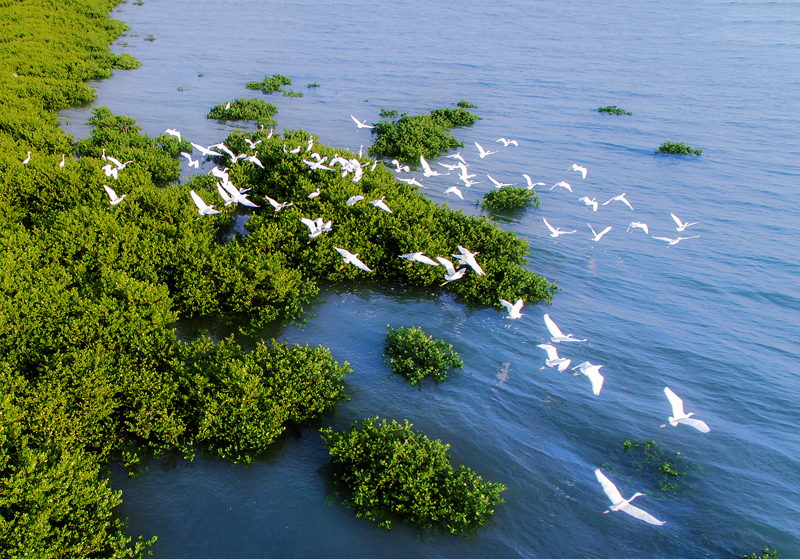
292	93
466	105
668	469
149	38
412	136
388	113
416	356
315	84
245	109
270	85
391	471
678	148
612	110
765	553
510	197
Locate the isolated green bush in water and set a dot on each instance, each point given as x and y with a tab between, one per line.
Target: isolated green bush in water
612	110
765	553
510	197
411	136
245	109
391	471
466	105
678	148
270	85
416	356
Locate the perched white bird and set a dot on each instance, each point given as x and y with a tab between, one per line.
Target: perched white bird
589	202
555	232
63	162
593	372
621	198
27	159
292	151
598	236
173	132
361	124
640	225
577	168
310	145
317	226
468	258
455	190
227	105
674	241
278	205
458	156
680	225
381	204
113	195
565	184
251	143
353	199
192	162
350	258
618	503
271	132
202	207
110	171
553	360
451	274
507	142
513	310
414	182
482	152
426	169
555	332
498	184
419	257
531	184
314	194
400	168
679	416
205	151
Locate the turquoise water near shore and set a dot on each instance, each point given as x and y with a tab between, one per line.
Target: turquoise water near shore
714	318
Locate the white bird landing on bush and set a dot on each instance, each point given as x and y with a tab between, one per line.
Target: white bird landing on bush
381	204
679	416
618	503
316	226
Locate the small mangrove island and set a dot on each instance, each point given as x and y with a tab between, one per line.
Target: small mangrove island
677	149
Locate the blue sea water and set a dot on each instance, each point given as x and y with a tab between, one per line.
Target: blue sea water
715	318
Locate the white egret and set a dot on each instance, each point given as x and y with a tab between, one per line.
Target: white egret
565	184
314	194
593	372
482	152
251	143
464	174
361	124
227	105
674	241
451	274
278	205
468	258
353	199
426	169
553	360
120	166
448	167
317	226
114	199
202	207
381	204
578	169
317	165
531	184
598	236
555	332
618	503
419	257
254	159
27	159
639	225
680	225
236	196
224	195
310	145
513	310
555	232
226	150
205	151
620	198
192	162
400	168
173	132
679	416
458	156
507	142
589	202
414	182
350	258
455	190
498	184
110	171
63	162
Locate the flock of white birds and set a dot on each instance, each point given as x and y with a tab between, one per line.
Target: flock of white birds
230	194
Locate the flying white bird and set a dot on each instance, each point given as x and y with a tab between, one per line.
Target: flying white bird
353	199
120	166
426	169
565	184
458	156
513	310
553	360
254	159
224	195
235	195
468	258
227	151
464	174
498	184
27	159
414	182
202	207
61	165
173	132
589	202
205	151
681	226
317	165
640	225
110	171
113	195
381	204
531	184
621	198
400	168
350	258
314	194
506	142
556	232
361	124
419	257
317	226
593	372
577	168
455	190
278	205
598	236
556	334
251	143
674	241
483	153
450	272
618	503
679	416
192	162
448	167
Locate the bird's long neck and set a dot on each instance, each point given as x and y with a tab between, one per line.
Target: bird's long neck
635	495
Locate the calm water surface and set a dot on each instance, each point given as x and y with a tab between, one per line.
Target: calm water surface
714	318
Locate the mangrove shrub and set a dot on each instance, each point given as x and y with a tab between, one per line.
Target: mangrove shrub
411	136
245	109
416	356
510	197
678	149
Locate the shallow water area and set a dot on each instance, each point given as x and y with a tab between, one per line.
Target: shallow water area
714	318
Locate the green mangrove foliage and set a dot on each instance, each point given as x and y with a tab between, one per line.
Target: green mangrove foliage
391	471
292	93
313	84
510	197
678	149
668	470
765	553
411	136
612	110
466	105
270	85
416	356
245	109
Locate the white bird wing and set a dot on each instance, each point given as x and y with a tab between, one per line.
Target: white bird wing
677	220
353	199
115	161
663	239
346	254
223	194
509	307
110	192
594	375
359	264
447	265
696	423
480	148
593	231
623	199
356	120
498	184
549	227
552	328
636	512
312	225
528	178
612	200
201	205
552	352
518	306
610	489
675	401
603	232
274	203
425	165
